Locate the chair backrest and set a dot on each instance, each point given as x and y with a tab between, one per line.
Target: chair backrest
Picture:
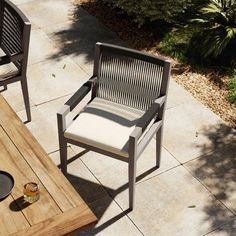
128	76
14	31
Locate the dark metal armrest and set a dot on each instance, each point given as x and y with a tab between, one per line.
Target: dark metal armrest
72	103
5	60
80	94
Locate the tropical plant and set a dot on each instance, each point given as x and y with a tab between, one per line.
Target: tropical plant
218	31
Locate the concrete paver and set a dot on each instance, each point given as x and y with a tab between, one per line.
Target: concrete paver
186	126
174	203
225	230
77	37
177	95
53	79
41	47
111	220
217	172
49	12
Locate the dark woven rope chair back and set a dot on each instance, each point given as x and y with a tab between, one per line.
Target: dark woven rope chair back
129	77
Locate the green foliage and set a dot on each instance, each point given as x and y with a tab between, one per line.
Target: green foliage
218	27
151	10
176	43
232	89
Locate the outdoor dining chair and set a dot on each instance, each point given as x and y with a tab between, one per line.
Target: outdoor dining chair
14	44
128	96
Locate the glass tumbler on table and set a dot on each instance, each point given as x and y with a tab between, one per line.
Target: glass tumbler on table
31	192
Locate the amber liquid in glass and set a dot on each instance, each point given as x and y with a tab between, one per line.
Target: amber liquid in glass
31	192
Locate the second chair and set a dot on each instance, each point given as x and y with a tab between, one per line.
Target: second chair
14	45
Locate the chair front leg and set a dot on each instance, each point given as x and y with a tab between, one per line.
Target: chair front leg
26	98
158	147
132	169
63	155
61	123
132	180
62	146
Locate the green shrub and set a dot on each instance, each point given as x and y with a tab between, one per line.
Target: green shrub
143	10
232	89
176	43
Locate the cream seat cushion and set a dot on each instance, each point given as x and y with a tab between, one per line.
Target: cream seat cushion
7	70
106	125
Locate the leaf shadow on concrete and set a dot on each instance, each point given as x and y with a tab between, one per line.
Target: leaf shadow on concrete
78	36
217	172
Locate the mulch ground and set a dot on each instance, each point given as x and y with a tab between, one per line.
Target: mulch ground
207	86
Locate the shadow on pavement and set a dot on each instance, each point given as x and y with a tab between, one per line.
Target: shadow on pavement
217	172
99	202
79	38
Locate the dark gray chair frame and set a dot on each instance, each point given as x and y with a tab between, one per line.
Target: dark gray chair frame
155	111
14	41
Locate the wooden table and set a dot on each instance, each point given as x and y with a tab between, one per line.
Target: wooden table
60	210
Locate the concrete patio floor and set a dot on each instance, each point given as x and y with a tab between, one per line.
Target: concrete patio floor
194	190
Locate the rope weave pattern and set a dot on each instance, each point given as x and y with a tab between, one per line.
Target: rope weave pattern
11	32
129	81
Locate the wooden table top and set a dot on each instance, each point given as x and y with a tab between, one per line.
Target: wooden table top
60	210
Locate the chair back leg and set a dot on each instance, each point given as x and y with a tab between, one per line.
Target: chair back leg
25	92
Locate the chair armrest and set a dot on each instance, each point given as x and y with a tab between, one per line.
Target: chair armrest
65	109
7	59
72	102
80	94
136	146
142	125
147	117
61	118
150	113
16	57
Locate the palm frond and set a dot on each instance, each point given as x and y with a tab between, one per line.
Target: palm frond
215	42
231	32
199	20
211	8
